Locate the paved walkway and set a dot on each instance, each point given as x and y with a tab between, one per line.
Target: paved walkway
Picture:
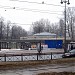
20	51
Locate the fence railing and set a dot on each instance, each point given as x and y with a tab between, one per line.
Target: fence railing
29	56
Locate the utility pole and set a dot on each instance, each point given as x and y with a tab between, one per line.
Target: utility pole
66	2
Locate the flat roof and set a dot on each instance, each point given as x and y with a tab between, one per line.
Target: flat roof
45	34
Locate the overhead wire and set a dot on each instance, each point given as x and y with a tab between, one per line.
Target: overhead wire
28	9
38	3
9	7
20	24
42	3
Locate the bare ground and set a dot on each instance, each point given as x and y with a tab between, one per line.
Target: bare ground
25	64
60	73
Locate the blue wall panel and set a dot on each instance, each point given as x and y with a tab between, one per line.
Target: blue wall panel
54	43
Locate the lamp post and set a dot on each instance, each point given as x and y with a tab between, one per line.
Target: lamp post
66	2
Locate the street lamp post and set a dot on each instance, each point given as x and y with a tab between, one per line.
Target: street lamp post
66	2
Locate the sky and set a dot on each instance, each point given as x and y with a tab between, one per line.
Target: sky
25	12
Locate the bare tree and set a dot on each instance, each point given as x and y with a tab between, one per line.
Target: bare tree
55	28
47	26
61	27
44	26
8	30
17	32
2	28
71	22
38	26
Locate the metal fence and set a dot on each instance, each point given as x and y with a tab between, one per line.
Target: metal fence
29	56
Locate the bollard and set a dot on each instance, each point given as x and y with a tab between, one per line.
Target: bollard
21	57
37	56
5	57
51	55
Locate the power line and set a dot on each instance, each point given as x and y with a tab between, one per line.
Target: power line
6	7
39	11
37	3
28	9
9	7
41	3
20	24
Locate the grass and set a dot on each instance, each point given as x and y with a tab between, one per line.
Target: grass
60	73
17	64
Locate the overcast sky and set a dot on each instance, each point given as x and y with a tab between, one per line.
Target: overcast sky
28	11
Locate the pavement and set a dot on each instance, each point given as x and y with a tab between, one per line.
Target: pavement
16	51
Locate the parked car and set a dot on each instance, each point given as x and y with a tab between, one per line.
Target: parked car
69	54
